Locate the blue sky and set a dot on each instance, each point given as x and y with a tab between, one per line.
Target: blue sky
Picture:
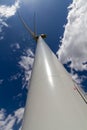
66	36
46	12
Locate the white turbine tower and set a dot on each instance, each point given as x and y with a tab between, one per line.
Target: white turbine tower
54	102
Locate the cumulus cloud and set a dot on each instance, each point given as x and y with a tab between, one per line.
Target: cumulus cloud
2	24
7	12
7	122
15	46
77	79
14	77
26	63
2	114
74	41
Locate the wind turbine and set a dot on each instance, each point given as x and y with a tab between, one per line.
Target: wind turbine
54	101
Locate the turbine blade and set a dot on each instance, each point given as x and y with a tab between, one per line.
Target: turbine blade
34	23
26	26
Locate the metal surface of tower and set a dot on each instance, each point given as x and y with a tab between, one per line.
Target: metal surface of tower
54	102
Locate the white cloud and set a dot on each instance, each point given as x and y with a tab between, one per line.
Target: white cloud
2	114
1	38
26	63
20	128
76	78
14	77
19	114
15	46
2	23
74	41
7	12
8	122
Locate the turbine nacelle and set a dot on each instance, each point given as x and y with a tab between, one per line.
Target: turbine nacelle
33	34
42	35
